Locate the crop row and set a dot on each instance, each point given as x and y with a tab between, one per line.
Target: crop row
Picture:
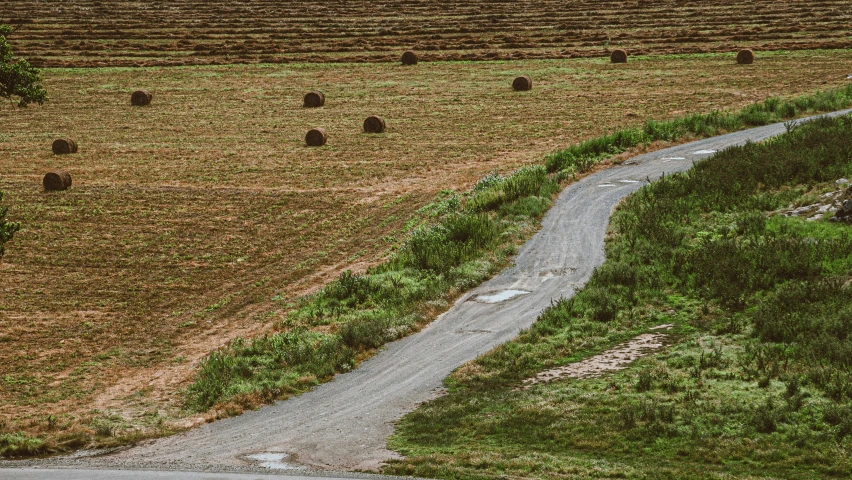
194	32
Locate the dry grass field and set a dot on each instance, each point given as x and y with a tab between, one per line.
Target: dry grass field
202	216
179	32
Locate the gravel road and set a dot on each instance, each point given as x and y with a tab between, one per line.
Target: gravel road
344	424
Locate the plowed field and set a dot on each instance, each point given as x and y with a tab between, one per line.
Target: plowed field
176	32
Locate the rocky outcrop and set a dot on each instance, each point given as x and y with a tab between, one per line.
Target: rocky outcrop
838	202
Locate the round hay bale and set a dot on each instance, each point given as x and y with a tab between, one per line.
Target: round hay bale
409	58
618	56
316	137
522	83
745	57
55	181
374	124
140	98
314	99
64	146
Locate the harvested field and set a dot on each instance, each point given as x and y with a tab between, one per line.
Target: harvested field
177	32
203	216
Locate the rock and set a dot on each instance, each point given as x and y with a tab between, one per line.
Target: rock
841	181
844	213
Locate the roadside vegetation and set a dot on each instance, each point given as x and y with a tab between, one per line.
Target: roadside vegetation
119	313
468	239
757	378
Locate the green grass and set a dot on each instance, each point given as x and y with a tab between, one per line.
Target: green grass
465	240
20	444
582	156
458	248
756	383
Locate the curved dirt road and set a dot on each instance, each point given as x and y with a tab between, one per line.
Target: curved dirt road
344	424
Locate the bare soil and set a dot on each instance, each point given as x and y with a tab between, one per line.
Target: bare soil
612	360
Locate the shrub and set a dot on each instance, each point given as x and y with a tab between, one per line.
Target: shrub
7	228
17	77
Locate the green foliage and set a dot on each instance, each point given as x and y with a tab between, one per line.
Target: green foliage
20	445
456	239
7	228
760	383
582	157
286	363
17	77
494	190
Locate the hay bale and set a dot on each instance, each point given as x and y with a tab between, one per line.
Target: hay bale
522	83
55	181
140	98
374	124
745	57
618	56
409	58
314	99
316	137
63	146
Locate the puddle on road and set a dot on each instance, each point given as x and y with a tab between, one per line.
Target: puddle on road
501	296
275	461
703	152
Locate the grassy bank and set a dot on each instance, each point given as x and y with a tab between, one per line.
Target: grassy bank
466	239
757	378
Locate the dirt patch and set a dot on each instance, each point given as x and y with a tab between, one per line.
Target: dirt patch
612	360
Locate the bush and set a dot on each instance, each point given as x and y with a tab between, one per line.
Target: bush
20	444
279	361
17	77
458	238
7	229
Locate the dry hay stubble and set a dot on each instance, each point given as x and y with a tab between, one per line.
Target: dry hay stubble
56	180
314	99
374	124
64	146
618	56
522	83
316	137
745	57
409	58
140	98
